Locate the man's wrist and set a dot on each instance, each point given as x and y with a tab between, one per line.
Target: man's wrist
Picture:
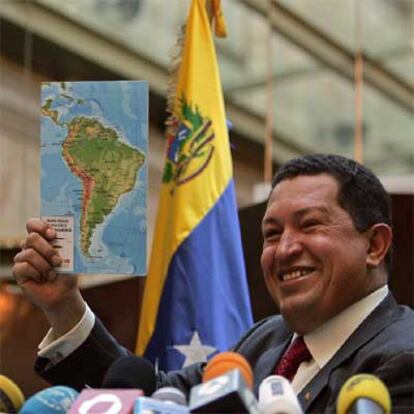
63	318
56	349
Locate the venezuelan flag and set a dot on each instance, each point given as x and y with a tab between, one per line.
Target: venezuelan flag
196	300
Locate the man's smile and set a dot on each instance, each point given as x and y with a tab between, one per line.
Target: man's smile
294	273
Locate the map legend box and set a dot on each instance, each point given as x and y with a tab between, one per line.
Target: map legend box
64	226
94	140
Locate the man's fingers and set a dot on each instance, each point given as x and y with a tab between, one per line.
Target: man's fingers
38	257
23	271
37	243
36	225
38	262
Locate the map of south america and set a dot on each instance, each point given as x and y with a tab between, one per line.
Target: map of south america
106	166
89	129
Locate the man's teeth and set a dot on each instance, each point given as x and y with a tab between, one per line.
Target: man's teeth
295	274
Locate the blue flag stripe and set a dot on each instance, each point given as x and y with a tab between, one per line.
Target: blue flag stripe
206	288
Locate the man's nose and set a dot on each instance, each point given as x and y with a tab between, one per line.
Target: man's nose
289	246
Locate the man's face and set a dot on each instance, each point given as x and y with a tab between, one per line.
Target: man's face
313	259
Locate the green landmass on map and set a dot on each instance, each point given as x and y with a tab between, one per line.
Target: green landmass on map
46	110
106	166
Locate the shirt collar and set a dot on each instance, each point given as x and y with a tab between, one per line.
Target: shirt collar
325	341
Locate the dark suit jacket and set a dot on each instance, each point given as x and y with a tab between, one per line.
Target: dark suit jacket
382	345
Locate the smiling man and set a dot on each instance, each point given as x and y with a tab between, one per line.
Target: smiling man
315	261
326	257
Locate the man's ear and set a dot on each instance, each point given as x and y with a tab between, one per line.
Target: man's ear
379	238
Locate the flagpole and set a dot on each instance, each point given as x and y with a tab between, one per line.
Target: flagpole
268	147
358	76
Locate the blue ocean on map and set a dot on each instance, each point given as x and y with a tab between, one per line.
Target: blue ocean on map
118	245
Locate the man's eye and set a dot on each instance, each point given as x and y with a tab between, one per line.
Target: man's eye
310	223
271	234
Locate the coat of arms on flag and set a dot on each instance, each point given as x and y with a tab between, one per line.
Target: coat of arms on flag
190	145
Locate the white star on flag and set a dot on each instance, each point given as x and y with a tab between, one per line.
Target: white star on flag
195	351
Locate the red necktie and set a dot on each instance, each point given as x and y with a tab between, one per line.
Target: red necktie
297	353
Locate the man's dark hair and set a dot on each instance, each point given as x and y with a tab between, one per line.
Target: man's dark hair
361	193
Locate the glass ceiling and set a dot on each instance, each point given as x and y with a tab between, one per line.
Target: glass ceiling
387	27
313	104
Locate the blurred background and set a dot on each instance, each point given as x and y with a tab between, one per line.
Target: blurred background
287	70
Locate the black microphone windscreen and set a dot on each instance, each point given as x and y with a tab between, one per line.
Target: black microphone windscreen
131	372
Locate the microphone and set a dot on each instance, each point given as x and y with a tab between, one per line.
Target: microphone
166	400
226	387
51	400
276	396
131	372
363	394
105	401
226	361
170	395
11	397
127	379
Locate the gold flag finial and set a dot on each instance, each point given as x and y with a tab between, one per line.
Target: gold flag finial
217	18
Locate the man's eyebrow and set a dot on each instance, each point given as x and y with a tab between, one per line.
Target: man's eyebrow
297	214
306	210
270	220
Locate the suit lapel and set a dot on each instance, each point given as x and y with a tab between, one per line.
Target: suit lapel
379	318
265	366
